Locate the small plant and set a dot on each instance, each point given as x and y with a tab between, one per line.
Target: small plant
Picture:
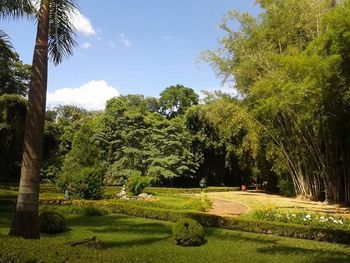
136	184
188	232
52	222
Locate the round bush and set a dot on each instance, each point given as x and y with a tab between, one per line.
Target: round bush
52	222
188	232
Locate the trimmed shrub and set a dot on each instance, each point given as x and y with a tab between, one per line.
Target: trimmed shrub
188	232
52	222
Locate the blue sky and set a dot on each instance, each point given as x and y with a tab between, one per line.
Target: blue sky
133	47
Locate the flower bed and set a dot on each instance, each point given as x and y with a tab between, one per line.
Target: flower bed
303	218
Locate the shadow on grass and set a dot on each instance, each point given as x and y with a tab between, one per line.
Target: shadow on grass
6	215
320	255
135	242
271	245
236	236
118	224
141	233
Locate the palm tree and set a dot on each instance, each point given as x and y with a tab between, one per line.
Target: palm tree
6	50
12	9
15	8
55	38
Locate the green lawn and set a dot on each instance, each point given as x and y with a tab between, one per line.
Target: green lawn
128	239
175	200
140	240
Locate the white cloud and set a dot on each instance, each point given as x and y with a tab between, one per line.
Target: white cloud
82	24
126	42
86	45
92	95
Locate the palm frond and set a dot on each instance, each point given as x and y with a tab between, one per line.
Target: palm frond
6	49
16	8
62	32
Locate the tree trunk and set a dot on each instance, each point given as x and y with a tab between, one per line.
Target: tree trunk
26	221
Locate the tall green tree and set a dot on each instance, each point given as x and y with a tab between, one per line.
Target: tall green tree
136	140
175	100
55	37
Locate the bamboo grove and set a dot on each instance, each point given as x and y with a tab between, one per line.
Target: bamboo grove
291	68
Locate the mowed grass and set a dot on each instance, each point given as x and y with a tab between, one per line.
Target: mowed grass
129	239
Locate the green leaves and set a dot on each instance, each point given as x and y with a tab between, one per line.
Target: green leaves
175	100
62	31
135	139
16	8
291	64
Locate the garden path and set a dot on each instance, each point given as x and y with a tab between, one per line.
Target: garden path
254	200
226	208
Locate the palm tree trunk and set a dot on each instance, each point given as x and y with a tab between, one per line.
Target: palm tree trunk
26	221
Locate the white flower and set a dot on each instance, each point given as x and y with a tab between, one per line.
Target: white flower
308	216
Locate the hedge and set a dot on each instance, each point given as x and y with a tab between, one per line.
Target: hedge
165	190
111	191
210	220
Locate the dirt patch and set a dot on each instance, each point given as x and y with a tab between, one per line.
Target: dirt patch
227	208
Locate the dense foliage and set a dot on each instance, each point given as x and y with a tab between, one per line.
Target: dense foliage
136	140
12	118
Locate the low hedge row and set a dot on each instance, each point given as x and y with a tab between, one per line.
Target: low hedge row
165	190
210	220
110	191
